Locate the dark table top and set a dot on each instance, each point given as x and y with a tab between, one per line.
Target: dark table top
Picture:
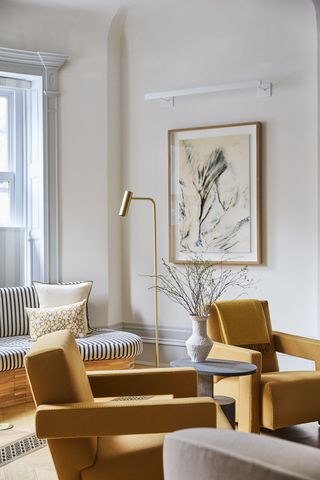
224	368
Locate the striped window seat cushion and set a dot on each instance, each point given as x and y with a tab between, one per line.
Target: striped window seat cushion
100	345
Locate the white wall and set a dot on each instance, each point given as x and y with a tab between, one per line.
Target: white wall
172	45
82	132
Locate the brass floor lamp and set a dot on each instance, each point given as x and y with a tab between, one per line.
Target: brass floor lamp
124	209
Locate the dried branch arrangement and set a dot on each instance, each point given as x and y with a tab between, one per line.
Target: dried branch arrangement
197	285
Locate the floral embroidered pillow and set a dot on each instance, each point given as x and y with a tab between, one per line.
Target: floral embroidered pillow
51	319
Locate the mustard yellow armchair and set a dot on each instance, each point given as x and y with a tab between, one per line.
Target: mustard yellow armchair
241	330
91	440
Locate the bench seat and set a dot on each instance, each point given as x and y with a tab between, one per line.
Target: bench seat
99	345
102	349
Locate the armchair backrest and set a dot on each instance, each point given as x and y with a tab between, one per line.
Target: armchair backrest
256	320
57	375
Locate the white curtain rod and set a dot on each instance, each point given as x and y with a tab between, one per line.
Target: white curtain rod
264	89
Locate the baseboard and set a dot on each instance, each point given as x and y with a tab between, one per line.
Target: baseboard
171	336
114	326
171	342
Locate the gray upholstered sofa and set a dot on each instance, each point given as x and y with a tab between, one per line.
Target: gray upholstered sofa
102	349
212	454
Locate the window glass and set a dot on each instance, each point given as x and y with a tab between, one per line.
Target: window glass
4	203
3	134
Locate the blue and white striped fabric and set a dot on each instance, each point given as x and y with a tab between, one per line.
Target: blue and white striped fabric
13	317
100	345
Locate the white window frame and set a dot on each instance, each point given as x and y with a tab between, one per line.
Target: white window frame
45	65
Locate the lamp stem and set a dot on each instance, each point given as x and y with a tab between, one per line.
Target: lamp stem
155	263
155	274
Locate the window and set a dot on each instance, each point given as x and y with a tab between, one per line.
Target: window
4	134
28	166
11	157
6	176
21	177
5	204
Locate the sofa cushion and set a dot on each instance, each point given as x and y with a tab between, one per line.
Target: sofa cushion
52	319
65	293
295	396
212	454
13	318
100	345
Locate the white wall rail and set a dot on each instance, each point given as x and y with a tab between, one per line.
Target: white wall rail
263	89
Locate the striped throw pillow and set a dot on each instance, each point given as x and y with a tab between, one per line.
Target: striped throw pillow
13	318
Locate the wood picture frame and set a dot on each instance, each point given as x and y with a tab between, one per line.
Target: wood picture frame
214	194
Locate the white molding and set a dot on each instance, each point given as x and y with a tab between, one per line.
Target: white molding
46	66
170	336
26	57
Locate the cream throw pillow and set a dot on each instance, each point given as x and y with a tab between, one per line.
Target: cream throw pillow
56	295
50	319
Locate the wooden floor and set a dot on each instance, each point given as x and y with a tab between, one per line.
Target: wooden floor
38	465
306	434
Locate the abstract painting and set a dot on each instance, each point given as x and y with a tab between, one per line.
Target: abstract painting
214	194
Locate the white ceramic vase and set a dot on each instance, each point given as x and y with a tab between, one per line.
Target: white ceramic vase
199	344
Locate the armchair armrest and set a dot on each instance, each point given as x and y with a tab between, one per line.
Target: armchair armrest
120	418
303	347
249	386
181	382
230	352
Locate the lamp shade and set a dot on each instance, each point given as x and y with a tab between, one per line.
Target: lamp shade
124	209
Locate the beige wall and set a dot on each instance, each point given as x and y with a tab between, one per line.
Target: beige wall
82	133
167	45
171	45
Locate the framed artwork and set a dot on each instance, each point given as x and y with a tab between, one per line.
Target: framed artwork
214	194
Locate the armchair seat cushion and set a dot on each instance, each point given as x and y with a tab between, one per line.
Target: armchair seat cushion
289	398
138	457
100	345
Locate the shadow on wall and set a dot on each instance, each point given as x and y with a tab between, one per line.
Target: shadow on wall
116	225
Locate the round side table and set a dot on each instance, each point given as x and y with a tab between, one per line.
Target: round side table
216	367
